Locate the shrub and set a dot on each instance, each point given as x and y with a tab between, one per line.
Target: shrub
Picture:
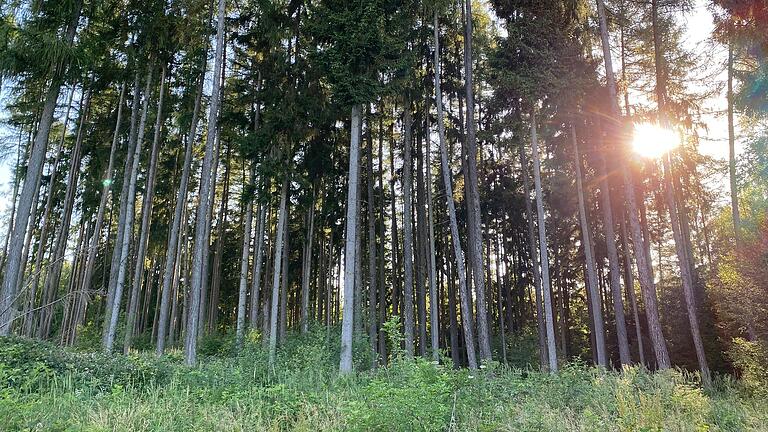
32	364
751	359
411	395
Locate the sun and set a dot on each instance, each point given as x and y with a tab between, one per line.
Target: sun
652	141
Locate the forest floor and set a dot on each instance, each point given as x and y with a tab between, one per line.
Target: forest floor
46	388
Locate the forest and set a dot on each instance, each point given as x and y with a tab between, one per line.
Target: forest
391	215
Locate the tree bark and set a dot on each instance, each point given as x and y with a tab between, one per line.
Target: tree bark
734	185
532	243
613	264
93	244
125	241
434	314
13	271
687	278
243	288
306	273
466	309
146	217
276	272
372	263
201	239
545	284
644	269
473	202
408	314
174	239
592	288
350	249
123	200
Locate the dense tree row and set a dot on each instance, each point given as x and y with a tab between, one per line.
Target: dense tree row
188	167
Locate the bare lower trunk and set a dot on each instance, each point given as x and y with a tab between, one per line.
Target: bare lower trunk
13	271
276	272
125	242
592	288
532	243
146	217
257	265
243	288
178	215
123	200
434	314
408	233
53	276
93	244
614	265
307	266
43	237
548	313
473	202
350	249
629	286
685	272
644	270
466	309
201	239
372	263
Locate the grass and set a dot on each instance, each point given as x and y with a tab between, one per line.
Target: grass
44	388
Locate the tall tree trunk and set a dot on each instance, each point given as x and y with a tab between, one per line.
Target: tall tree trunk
732	145
532	243
125	242
174	239
592	288
350	247
53	277
201	239
613	264
473	202
434	314
146	217
276	272
13	271
466	309
545	284
629	286
93	244
408	231
306	273
243	288
282	323
372	263
422	245
687	278
644	269
44	223
257	265
123	200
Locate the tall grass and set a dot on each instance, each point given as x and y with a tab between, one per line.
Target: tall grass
304	393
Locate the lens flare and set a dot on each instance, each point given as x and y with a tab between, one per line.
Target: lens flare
652	141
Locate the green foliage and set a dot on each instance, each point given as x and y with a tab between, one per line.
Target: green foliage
411	395
393	329
751	358
77	391
32	365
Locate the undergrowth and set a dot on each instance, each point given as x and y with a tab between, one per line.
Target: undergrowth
44	388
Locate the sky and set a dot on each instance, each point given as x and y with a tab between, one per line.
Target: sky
699	26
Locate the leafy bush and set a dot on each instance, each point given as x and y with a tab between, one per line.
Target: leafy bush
412	395
32	364
751	359
29	364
